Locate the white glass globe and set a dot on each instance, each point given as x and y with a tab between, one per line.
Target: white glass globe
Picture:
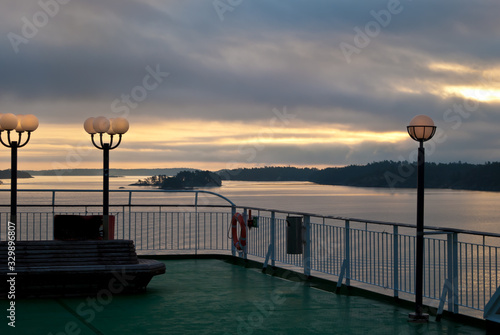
120	125
19	127
88	125
29	122
421	128
101	124
110	130
9	121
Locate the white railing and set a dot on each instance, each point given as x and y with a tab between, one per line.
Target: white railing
461	268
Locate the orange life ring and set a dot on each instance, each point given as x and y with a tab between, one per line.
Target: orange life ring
241	242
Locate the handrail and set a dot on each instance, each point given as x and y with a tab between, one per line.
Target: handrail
118	205
232	204
130	192
386	223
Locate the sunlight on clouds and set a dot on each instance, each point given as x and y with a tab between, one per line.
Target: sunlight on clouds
186	132
492	75
452	67
182	133
299	136
437	88
53	146
407	90
485	89
475	93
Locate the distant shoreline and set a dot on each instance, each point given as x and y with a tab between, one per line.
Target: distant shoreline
385	174
113	172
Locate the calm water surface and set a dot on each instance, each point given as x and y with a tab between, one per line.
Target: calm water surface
472	210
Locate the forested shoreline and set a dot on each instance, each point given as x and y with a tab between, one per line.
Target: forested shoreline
465	176
388	174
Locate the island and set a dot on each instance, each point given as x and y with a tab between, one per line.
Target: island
182	180
5	174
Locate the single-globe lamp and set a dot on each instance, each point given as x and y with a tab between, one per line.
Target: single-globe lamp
101	124
421	128
120	125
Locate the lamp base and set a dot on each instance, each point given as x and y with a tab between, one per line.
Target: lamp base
418	317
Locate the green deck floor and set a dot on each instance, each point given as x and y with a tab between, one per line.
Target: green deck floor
215	297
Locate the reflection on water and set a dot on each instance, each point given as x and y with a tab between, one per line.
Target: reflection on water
73	182
443	208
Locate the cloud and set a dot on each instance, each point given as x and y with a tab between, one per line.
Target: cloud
264	55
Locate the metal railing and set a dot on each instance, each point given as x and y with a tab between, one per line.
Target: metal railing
461	267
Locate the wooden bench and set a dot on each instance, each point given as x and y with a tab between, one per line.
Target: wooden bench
75	267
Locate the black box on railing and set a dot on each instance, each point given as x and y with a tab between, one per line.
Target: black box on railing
81	227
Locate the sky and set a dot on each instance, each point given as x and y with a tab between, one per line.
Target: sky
215	84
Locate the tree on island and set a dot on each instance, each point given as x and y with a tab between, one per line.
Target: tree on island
183	179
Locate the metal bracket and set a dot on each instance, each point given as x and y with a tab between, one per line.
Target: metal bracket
342	274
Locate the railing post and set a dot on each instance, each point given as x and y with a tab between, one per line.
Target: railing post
233	249
450	287
196	223
395	258
122	224
53	211
306	256
273	239
347	254
455	273
345	270
270	249
449	275
130	222
245	217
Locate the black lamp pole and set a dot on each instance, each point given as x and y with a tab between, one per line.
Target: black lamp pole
101	125
105	189
420	230
421	129
10	123
13	185
105	147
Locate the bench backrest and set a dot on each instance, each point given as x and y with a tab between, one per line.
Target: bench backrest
71	253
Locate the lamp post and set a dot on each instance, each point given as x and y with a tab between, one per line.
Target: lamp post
112	127
421	129
20	124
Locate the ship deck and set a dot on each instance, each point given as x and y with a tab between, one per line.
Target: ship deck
214	296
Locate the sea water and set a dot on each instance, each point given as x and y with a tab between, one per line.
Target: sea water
471	210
